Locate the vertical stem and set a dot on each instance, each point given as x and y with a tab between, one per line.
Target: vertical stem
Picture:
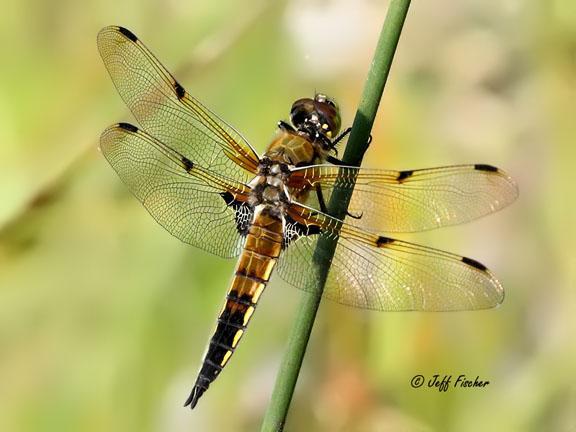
357	145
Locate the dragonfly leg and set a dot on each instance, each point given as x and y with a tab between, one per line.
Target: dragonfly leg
324	208
354	216
341	137
321	200
334	161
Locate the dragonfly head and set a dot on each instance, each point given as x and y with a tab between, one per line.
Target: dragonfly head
318	117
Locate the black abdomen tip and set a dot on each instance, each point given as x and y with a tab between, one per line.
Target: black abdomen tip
192	400
128	34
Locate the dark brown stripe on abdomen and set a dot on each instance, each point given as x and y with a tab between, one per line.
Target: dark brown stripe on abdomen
262	248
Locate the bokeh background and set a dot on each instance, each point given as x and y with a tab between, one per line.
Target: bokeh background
104	316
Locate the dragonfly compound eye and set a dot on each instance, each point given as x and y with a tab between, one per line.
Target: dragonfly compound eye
320	113
329	118
302	112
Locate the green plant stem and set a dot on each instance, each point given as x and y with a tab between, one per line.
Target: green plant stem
339	200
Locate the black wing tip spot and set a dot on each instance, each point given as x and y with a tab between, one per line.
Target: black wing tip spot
473	263
180	92
243	211
127	33
403	175
485	167
128	127
384	241
188	164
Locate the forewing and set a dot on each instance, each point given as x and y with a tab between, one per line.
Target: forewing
413	200
187	200
166	111
375	272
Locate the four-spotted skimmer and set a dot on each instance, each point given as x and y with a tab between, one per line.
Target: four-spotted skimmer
204	183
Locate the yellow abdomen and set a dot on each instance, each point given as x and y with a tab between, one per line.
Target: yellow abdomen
261	251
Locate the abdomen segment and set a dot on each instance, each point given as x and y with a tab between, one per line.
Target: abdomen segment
261	251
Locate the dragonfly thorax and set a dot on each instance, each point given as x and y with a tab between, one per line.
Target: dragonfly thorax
269	186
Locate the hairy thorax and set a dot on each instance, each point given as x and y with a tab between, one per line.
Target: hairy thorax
269	187
294	149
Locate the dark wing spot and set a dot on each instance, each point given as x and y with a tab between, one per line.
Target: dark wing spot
188	164
128	127
298	230
484	167
474	263
313	230
180	92
243	211
128	34
228	198
404	175
384	241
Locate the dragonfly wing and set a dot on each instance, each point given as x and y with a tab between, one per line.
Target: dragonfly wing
375	272
166	111
192	203
413	200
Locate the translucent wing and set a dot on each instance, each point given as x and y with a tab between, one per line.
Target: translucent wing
375	272
166	111
192	203
414	200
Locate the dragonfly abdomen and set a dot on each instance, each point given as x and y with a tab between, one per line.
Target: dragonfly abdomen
261	251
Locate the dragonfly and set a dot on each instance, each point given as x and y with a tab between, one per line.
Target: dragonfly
206	185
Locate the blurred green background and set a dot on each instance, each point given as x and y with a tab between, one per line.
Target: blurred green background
104	316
